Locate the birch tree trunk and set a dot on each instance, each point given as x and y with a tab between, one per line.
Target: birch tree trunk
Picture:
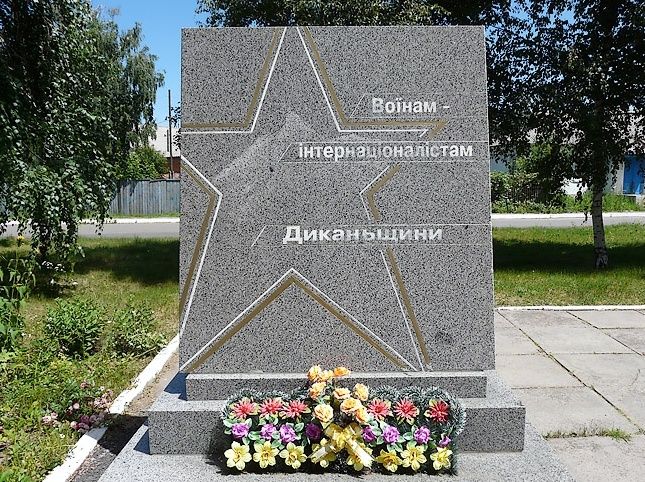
599	243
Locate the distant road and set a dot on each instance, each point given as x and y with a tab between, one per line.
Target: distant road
169	227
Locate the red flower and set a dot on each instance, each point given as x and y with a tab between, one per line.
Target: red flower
271	406
244	408
438	411
294	409
379	409
406	410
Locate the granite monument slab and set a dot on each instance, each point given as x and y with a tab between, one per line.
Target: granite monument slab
335	200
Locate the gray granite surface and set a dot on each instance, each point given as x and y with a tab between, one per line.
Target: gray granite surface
249	97
494	422
215	386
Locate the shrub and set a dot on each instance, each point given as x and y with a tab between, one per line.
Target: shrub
132	332
76	325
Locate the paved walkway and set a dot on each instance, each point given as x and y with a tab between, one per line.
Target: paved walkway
581	375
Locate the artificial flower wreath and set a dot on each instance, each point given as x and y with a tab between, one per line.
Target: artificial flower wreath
329	426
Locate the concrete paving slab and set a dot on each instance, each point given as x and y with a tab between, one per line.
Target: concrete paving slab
602	458
574	339
535	318
511	341
533	371
634	338
570	409
620	379
613	319
501	322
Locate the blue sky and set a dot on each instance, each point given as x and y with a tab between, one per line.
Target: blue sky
162	21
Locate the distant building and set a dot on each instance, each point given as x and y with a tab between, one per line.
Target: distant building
161	143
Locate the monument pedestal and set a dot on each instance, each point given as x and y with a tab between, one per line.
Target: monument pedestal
186	417
184	438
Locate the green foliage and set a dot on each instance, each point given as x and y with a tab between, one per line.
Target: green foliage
133	332
76	326
75	96
240	13
561	73
11	475
144	162
16	280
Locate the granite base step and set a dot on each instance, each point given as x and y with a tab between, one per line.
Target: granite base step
536	463
217	386
177	425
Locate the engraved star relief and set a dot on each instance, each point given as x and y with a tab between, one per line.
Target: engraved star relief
302	298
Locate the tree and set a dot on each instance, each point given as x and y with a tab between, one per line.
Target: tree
240	13
571	74
144	162
75	97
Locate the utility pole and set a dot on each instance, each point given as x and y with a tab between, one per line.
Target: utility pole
170	173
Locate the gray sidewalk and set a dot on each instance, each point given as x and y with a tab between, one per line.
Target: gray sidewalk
581	375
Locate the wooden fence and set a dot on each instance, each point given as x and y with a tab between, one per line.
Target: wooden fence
146	197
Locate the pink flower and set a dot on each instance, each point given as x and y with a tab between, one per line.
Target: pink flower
406	410
244	408
267	431
422	435
271	406
294	409
379	409
438	411
313	432
368	434
287	434
239	431
391	434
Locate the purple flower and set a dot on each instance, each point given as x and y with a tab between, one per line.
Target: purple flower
267	431
445	441
85	419
422	435
390	434
368	434
239	431
314	432
287	434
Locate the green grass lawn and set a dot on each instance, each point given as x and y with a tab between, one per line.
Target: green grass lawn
554	266
532	266
112	273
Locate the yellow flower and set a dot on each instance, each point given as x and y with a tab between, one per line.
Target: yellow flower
389	460
264	454
413	456
341	393
361	392
326	376
329	457
441	458
355	461
237	456
362	415
314	372
317	389
350	405
341	372
293	455
20	239
324	413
